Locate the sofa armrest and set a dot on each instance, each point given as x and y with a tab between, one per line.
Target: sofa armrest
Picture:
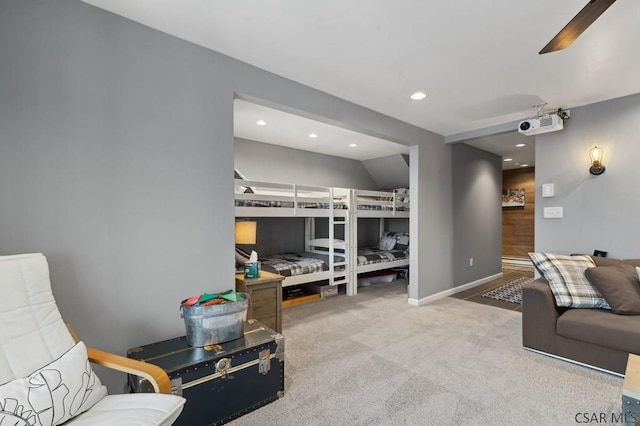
539	317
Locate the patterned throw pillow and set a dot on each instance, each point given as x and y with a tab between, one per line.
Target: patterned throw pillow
566	278
242	257
401	240
54	394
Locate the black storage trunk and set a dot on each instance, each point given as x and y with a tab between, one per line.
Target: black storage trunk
220	382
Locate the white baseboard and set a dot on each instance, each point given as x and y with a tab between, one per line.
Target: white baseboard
449	292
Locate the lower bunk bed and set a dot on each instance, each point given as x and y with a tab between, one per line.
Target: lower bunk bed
391	252
390	255
307	275
301	268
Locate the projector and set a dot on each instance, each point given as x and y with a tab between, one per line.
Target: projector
543	124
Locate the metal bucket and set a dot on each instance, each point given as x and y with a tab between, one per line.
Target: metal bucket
208	325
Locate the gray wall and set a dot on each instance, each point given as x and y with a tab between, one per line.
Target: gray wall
116	157
389	172
273	163
477	210
600	212
431	221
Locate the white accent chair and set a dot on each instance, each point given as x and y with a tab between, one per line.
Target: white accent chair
35	343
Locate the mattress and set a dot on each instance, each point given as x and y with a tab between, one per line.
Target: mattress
369	255
386	207
289	204
291	264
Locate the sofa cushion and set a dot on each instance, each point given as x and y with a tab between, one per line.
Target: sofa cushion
609	261
619	285
602	328
565	275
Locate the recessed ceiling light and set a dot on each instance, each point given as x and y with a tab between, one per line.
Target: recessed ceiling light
313	135
353	145
261	123
524	165
520	145
508	159
418	96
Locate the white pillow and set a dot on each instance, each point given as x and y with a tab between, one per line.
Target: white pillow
386	243
54	394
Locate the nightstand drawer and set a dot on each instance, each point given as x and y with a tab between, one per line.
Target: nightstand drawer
263	307
264	293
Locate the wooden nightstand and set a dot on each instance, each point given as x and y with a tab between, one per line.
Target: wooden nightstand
631	391
265	304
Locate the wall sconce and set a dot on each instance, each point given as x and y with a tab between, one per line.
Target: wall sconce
246	232
595	154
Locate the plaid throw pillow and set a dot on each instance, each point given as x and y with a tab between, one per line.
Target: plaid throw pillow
566	278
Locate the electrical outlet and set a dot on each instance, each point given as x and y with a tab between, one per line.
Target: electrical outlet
471	261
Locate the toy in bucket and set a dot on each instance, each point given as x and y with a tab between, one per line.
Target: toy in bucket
214	318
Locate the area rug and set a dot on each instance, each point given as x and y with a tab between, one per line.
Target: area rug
509	292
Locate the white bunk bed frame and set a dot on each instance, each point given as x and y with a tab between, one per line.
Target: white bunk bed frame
295	197
358	205
386	205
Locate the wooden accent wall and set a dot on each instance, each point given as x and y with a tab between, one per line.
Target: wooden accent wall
518	222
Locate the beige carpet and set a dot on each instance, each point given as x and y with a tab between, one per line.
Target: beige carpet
374	360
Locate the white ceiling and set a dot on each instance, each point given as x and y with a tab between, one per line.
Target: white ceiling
505	145
476	59
293	131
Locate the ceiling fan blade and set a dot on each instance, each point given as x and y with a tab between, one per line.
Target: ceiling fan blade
577	25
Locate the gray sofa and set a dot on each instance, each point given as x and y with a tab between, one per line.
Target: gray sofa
596	337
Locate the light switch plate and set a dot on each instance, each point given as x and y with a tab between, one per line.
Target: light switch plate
547	190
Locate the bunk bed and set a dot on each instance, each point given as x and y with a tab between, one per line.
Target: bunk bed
329	260
392	249
337	260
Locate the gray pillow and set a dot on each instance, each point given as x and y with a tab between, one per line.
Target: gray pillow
619	285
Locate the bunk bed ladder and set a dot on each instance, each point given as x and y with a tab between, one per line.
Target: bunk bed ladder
352	285
344	265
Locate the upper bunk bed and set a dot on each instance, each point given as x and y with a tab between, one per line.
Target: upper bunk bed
269	199
381	204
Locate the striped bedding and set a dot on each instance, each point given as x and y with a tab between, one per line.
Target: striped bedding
369	255
291	264
382	208
289	204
